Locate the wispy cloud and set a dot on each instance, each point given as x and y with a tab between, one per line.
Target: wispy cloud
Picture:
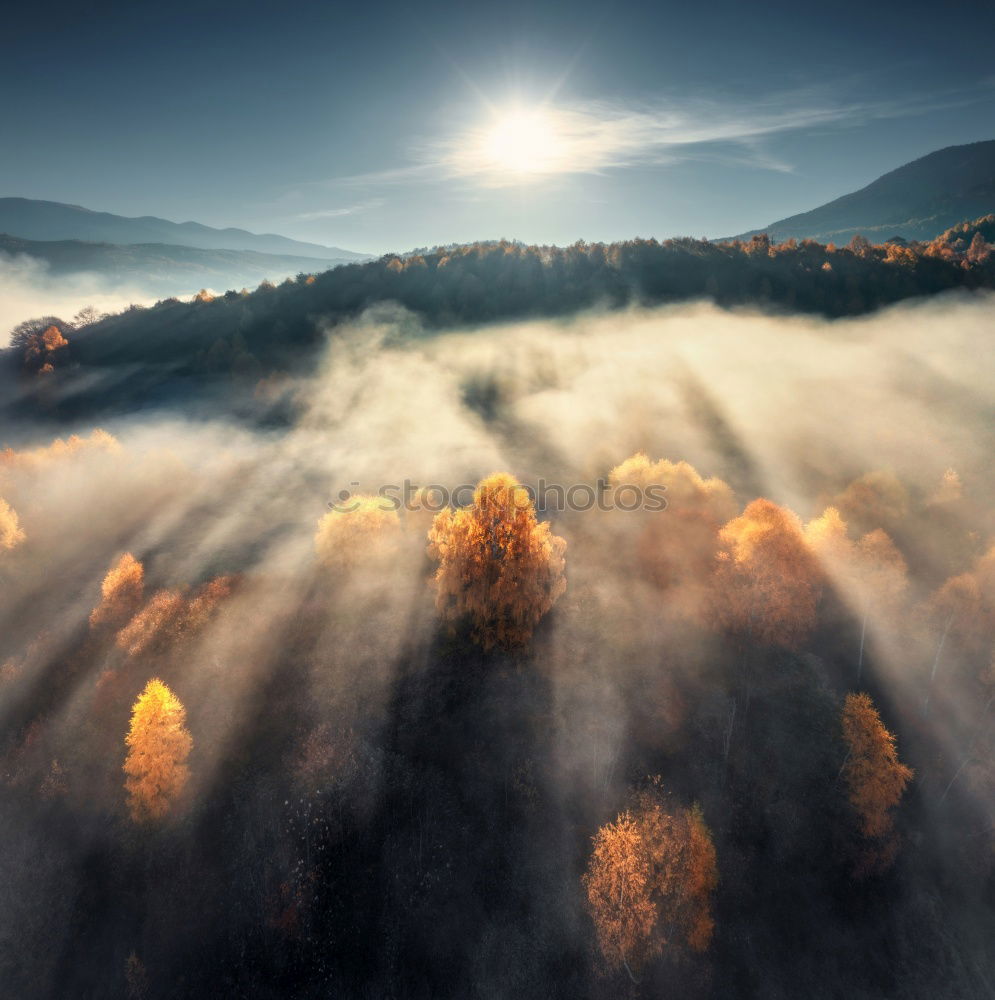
601	136
338	213
519	144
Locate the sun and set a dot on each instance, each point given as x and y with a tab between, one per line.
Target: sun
522	141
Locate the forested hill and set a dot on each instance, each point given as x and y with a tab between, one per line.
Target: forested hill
275	328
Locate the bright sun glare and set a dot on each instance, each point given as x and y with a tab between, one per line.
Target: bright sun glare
523	141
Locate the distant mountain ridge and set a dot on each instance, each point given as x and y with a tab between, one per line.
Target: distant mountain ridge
917	201
47	221
160	269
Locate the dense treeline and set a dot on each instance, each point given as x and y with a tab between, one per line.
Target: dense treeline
277	328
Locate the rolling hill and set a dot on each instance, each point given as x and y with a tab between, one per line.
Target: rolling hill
918	201
161	269
51	220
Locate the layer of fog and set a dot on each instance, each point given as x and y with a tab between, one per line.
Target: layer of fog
28	289
791	408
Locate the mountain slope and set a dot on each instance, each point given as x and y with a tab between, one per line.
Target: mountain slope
917	201
160	269
53	220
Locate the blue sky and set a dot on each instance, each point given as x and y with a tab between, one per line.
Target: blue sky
386	126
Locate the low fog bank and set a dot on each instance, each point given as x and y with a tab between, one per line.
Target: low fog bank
27	289
376	806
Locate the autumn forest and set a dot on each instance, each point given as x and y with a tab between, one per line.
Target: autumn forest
266	733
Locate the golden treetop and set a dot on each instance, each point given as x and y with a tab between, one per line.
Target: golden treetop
498	565
767	577
121	592
686	487
650	881
158	746
11	534
99	440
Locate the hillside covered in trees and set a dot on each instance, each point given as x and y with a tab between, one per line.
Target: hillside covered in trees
177	351
642	652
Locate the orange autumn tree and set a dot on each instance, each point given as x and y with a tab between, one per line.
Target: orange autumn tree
618	886
153	623
170	615
767	580
650	881
42	349
875	777
685	487
828	537
365	526
98	442
121	592
677	546
158	746
498	566
11	534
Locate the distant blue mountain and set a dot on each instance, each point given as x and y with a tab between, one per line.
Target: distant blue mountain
160	269
53	220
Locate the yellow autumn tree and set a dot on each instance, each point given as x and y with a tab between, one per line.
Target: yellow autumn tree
33	458
875	777
11	534
685	486
121	592
153	622
171	615
767	580
158	746
204	604
676	547
366	527
498	566
618	886
650	882
828	537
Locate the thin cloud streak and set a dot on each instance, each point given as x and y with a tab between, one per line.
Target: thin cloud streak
337	213
595	137
601	136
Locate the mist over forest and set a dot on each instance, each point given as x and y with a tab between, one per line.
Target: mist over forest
438	560
739	746
234	351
